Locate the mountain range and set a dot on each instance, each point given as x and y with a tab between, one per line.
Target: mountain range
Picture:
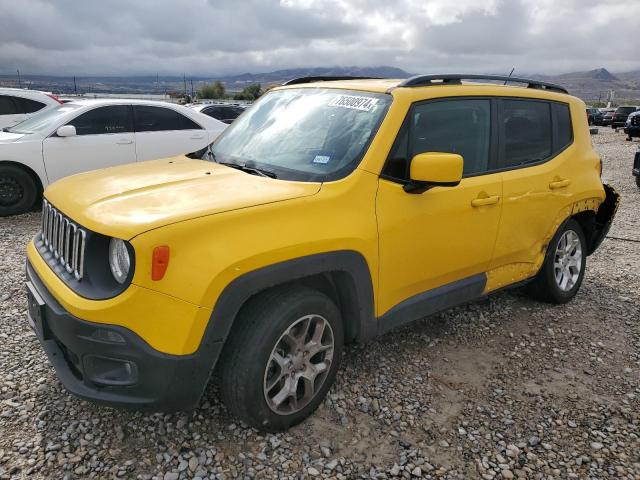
589	85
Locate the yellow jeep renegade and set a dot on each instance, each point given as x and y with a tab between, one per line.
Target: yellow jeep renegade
331	211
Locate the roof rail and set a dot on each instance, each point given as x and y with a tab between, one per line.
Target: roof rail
456	79
296	81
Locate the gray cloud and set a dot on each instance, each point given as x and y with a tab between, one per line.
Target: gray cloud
211	37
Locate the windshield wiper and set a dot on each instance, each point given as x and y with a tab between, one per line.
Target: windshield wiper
250	169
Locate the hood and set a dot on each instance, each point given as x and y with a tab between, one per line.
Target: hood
10	137
130	199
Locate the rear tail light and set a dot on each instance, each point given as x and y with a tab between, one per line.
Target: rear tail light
51	95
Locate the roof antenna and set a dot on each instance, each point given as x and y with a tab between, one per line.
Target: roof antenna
510	73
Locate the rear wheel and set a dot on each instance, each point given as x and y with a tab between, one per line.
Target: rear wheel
563	270
281	357
18	191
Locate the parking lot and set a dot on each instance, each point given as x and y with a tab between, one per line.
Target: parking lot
502	388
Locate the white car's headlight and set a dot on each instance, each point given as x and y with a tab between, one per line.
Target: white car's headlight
119	259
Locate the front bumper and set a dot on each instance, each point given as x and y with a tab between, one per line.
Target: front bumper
636	164
110	364
632	130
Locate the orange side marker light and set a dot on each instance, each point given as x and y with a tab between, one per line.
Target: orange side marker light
159	262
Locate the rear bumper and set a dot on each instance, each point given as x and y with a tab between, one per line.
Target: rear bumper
604	218
110	364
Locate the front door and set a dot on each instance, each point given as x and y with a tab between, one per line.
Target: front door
104	138
445	234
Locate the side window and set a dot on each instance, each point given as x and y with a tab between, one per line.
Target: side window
7	106
563	128
526	132
156	119
101	120
461	126
29	106
188	124
453	126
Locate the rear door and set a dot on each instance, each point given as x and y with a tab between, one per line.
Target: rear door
538	181
104	138
163	132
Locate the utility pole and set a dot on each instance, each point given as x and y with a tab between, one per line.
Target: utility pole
192	89
19	79
184	79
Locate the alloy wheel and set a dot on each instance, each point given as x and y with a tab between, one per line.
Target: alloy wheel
299	364
10	191
568	260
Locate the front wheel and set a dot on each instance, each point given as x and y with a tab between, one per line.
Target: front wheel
563	269
281	357
18	191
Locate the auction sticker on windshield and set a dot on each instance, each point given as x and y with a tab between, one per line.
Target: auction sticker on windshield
354	101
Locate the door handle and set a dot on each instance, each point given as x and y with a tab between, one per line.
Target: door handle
559	183
482	201
124	141
196	137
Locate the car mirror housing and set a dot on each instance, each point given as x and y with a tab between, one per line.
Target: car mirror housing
434	169
66	131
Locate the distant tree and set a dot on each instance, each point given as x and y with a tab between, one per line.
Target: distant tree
212	90
252	92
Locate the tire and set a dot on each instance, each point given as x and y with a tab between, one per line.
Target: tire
18	191
549	287
254	387
638	181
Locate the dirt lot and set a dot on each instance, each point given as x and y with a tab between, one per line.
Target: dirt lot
502	388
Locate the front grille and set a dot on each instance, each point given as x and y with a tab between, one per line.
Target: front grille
64	239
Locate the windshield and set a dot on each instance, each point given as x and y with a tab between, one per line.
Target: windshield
43	120
626	109
304	134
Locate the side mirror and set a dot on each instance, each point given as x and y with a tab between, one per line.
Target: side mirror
66	131
434	169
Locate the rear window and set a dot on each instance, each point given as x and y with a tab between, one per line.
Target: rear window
626	110
29	106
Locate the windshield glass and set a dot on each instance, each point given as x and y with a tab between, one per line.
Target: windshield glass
304	134
43	120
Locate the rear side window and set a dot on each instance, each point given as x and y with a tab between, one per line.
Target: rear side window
526	132
159	119
563	129
7	106
102	120
29	106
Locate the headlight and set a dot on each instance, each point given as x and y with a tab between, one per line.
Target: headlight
119	260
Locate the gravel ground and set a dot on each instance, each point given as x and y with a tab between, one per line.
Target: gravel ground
501	388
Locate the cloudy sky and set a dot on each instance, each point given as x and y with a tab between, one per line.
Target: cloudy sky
210	37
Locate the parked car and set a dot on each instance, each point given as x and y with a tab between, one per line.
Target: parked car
607	116
17	104
88	134
220	111
632	126
594	116
619	117
330	212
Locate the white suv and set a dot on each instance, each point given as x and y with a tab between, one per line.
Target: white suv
90	134
16	104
